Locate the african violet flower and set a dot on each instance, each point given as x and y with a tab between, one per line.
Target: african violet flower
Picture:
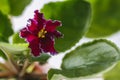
40	34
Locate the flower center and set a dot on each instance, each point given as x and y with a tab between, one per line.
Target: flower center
41	33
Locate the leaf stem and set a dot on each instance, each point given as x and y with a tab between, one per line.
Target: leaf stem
24	68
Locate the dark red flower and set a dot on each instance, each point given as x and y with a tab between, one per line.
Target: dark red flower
40	34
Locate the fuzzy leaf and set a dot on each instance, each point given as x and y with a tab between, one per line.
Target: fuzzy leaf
42	58
17	6
91	58
5	28
9	49
106	18
88	59
16	38
4	6
52	72
75	17
14	48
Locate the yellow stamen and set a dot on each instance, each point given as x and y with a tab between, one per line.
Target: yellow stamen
41	33
42	36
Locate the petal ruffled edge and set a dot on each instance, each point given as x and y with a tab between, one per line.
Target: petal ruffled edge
39	17
58	34
24	33
51	25
33	26
47	45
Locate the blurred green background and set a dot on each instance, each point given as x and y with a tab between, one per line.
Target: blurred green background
81	18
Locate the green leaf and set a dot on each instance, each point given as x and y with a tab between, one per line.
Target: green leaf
16	38
14	48
5	28
61	77
7	49
91	58
3	55
113	74
51	72
4	6
75	17
17	6
88	59
54	74
42	58
106	18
